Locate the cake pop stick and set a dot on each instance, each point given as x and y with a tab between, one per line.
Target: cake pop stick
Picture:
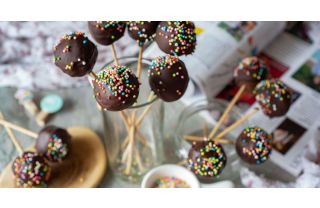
12	137
138	159
130	147
236	124
93	75
114	55
49	104
201	139
227	111
139	62
18	128
25	98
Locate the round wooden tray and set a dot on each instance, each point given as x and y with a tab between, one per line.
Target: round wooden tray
84	168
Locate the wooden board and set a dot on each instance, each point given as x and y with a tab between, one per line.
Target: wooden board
84	168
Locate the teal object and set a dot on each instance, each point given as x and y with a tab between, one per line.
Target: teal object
51	103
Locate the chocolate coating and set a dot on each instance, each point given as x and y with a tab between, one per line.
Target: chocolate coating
142	31
250	72
106	32
75	54
53	143
206	160
254	145
274	97
116	88
31	170
168	77
176	37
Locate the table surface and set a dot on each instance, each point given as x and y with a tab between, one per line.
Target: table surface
73	114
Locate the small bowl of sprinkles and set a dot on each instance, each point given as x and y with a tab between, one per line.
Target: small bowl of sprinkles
170	176
170	182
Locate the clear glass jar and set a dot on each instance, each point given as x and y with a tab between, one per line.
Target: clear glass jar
198	119
129	158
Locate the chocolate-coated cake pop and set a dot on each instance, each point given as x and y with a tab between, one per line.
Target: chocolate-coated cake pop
206	159
254	145
116	88
75	54
274	97
176	37
250	72
53	143
168	77
31	170
142	31
106	32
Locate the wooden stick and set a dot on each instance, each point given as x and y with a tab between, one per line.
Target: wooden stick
93	75
138	159
200	139
139	62
205	131
130	147
13	137
18	128
114	55
139	120
146	110
227	111
182	162
236	124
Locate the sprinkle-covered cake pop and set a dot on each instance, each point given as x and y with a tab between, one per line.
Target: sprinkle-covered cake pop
142	31
250	72
168	77
31	170
274	97
106	32
176	37
116	88
53	143
206	159
254	145
75	54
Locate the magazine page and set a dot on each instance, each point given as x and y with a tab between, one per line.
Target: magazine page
299	60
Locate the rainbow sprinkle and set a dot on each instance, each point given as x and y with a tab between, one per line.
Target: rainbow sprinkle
161	63
31	170
116	79
105	25
268	92
170	182
183	36
255	144
57	149
252	67
211	160
140	32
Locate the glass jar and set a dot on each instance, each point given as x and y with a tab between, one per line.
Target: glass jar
198	119
133	152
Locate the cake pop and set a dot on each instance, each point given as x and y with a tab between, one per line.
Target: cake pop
168	77
116	88
142	31
206	159
176	37
53	143
75	54
31	170
254	145
106	32
250	72
274	97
